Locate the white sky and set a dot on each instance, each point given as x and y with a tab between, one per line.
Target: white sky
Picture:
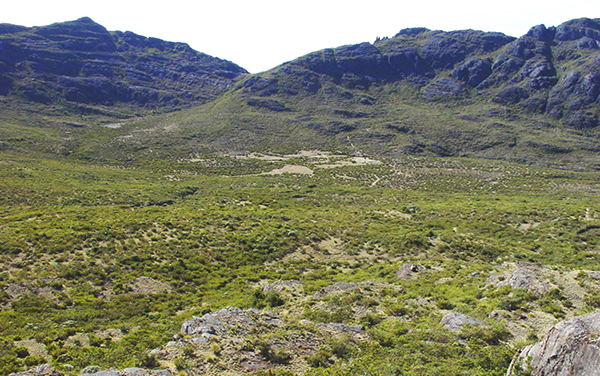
261	34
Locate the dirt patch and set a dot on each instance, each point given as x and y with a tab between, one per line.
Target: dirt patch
148	285
354	161
290	169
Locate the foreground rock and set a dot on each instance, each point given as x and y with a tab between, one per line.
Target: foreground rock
233	341
570	348
244	341
48	370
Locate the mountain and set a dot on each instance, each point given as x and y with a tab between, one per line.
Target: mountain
450	93
466	93
80	62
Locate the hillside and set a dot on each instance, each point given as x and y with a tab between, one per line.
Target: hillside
464	93
80	67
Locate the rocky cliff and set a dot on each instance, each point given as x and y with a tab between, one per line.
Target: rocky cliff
569	348
81	62
552	71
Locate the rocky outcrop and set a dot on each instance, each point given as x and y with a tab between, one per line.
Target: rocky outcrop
570	348
455	321
527	276
229	322
48	370
534	72
80	61
409	271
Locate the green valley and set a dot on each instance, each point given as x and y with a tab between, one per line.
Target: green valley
423	205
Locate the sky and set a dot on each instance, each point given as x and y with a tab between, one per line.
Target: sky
261	34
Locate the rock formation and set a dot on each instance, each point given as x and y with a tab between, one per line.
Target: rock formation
570	348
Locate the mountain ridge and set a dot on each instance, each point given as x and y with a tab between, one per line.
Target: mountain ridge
467	93
81	62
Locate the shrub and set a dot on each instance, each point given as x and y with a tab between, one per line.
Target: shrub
320	358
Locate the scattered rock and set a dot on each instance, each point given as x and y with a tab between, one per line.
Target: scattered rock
48	370
230	322
455	321
526	276
41	370
409	271
570	348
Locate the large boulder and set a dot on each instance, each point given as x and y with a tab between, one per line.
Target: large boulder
570	348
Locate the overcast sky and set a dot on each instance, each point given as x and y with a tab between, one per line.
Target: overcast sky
261	34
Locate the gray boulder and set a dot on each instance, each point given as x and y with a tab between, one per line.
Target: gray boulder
455	321
409	271
570	348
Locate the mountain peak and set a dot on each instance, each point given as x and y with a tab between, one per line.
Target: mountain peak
80	61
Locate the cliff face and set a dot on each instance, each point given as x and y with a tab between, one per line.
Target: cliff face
80	61
551	71
570	348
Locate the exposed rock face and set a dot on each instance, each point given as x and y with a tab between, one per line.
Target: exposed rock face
80	61
526	276
570	348
455	321
533	72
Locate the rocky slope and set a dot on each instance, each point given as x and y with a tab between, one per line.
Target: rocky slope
464	93
551	71
81	62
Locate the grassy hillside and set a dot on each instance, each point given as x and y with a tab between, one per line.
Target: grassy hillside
103	263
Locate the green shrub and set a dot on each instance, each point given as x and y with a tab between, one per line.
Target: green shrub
320	358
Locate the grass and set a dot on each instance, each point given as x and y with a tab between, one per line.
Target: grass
75	236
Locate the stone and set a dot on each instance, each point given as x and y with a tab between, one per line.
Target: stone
41	370
455	321
473	72
513	94
528	276
569	348
409	271
230	322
